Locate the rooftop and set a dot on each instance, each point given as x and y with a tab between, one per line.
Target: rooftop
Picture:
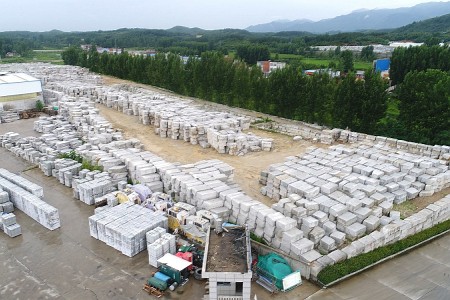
227	252
15	78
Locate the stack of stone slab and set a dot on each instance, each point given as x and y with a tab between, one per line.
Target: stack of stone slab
159	243
8	116
6	206
23	183
32	205
155	250
172	117
389	233
9	225
346	194
124	226
363	173
91	185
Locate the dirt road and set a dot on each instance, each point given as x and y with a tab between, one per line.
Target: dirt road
247	168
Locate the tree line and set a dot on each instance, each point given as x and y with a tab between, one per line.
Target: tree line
405	60
194	41
288	93
418	111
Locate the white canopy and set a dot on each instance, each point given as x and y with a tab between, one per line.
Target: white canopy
174	262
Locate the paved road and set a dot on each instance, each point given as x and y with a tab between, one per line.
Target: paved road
421	274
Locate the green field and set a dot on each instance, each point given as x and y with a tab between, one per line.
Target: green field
317	62
50	56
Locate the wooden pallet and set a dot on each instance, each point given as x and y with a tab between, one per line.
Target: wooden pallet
153	291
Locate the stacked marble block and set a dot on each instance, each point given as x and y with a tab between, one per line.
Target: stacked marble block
90	185
6	206
172	117
7	218
396	230
159	243
347	194
9	225
180	120
26	196
124	226
362	173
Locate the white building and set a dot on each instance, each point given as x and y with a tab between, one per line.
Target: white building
268	66
19	91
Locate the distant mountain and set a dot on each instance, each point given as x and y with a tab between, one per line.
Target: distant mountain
277	26
359	20
186	30
435	25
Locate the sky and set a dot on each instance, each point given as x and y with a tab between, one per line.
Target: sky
92	15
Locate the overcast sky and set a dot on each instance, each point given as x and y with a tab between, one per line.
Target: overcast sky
91	15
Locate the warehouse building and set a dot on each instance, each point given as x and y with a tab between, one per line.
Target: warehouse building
19	91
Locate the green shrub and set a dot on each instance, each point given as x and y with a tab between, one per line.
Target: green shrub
72	155
349	266
39	105
84	163
258	239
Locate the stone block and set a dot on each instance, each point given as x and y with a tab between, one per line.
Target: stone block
292	235
394	215
316	234
310	256
302	246
362	213
329	227
337	210
347	219
386	207
371	223
327	243
355	231
353	205
337	256
339	237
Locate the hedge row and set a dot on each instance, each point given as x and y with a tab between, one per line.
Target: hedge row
349	266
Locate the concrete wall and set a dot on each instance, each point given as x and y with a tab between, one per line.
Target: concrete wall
29	103
232	277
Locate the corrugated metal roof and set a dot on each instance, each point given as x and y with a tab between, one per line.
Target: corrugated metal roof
18	84
16	78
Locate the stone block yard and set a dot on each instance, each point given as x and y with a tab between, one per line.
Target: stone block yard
316	203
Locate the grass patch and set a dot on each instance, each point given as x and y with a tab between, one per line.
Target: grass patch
313	62
349	266
49	56
258	239
262	120
406	209
78	158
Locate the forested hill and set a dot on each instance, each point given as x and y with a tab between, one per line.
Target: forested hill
435	25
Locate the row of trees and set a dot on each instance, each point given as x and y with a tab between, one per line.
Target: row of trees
19	47
424	109
421	102
405	60
336	102
194	41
